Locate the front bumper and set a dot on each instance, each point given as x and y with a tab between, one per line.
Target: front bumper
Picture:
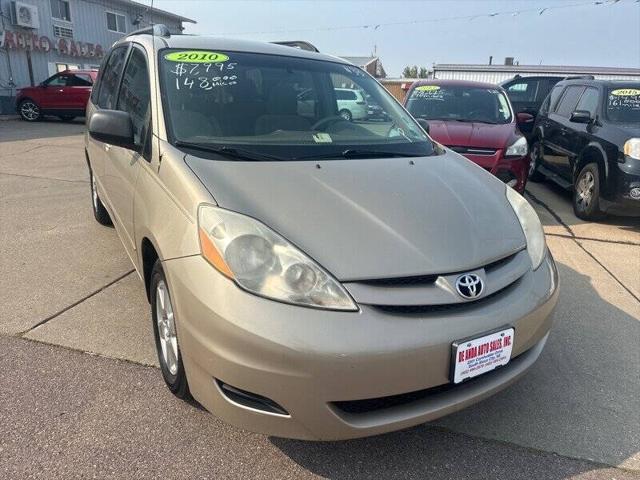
625	190
306	359
509	170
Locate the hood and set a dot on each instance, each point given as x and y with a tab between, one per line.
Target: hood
376	218
467	134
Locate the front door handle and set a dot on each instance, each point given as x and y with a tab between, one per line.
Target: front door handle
107	147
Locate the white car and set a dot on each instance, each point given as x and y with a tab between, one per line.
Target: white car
351	104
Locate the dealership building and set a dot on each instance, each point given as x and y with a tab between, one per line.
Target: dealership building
41	37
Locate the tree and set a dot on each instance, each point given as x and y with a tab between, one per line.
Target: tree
414	71
406	73
423	73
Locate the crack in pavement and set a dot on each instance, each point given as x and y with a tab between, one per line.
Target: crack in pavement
573	237
74	304
43	178
593	239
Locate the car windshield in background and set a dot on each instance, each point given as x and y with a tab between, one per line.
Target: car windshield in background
461	103
280	107
623	104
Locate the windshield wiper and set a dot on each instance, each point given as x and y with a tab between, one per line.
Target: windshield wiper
230	152
358	153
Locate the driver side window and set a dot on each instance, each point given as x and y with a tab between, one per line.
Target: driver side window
58	80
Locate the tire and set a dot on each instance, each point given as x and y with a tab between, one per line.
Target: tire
346	114
166	336
29	110
586	193
99	211
66	118
534	175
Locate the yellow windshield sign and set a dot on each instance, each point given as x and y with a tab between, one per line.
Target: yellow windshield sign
196	56
626	92
428	88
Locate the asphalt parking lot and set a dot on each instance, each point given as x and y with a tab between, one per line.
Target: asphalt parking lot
82	396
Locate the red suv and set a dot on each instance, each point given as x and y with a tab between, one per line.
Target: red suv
476	120
65	95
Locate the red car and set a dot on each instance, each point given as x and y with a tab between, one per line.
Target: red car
65	95
476	120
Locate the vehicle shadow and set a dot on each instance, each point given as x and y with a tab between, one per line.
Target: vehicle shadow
579	400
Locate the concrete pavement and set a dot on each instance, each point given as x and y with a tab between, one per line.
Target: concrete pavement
66	281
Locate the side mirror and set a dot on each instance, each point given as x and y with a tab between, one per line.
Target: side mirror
424	124
113	127
580	116
524	118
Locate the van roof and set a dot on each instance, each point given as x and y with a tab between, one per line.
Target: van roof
207	42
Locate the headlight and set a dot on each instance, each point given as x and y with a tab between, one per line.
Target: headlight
530	225
519	148
632	148
262	262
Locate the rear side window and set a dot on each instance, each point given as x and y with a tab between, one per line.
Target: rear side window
135	95
554	97
79	80
524	91
589	101
345	95
111	77
569	101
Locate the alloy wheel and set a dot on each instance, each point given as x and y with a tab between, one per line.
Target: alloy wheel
533	164
584	190
29	110
166	328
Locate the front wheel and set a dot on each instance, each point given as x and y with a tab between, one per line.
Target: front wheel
166	335
29	111
536	153
346	114
586	193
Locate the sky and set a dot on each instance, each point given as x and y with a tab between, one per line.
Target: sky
569	32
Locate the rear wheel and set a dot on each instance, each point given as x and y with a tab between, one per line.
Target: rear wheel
166	335
536	153
586	193
99	211
346	114
29	111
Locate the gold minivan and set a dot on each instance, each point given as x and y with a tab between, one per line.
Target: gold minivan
310	275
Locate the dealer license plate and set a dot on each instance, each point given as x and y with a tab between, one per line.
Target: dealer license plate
481	355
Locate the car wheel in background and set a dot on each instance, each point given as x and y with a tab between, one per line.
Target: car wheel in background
534	175
166	336
29	110
66	118
99	212
346	114
586	193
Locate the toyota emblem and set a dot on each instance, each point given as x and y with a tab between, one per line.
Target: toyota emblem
469	285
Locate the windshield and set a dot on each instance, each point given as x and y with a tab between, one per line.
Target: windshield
623	104
280	107
459	102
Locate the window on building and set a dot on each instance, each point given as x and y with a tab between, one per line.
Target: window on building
111	77
569	100
135	95
116	22
60	10
62	32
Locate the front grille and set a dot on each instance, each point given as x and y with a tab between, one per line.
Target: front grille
447	307
401	281
473	150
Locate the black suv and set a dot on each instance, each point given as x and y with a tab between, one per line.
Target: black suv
587	137
527	94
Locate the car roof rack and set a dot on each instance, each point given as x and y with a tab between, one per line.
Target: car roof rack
579	77
159	30
301	44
